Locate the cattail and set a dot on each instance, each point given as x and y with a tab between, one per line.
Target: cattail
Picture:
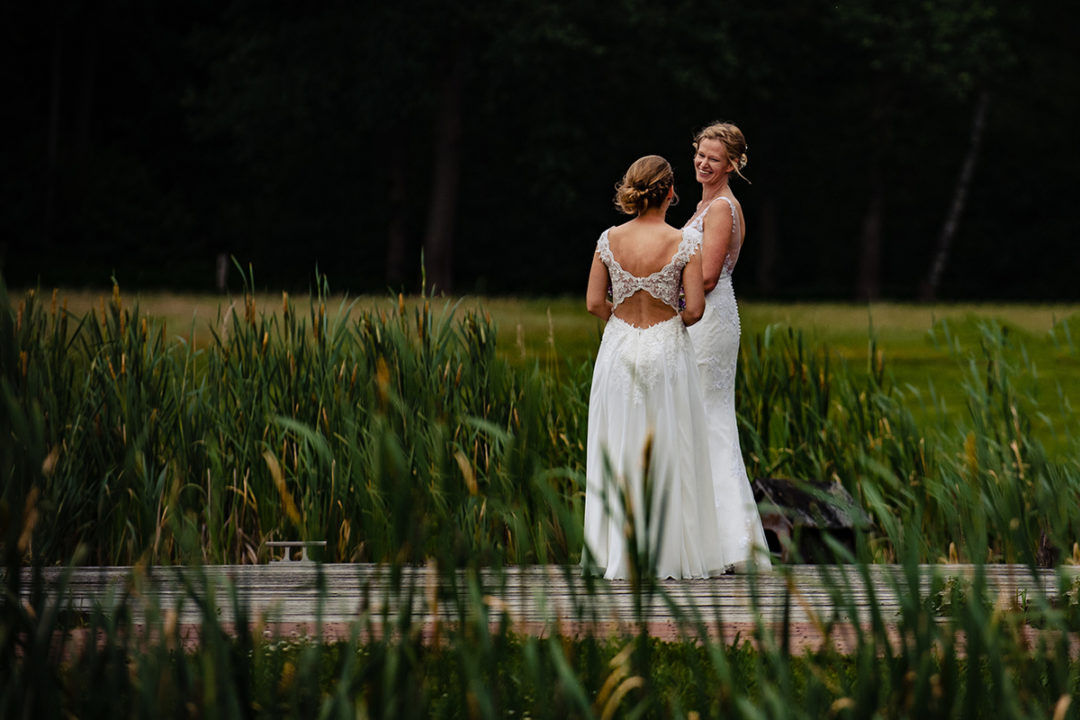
123	364
467	472
382	380
18	317
551	331
24	359
30	519
1019	462
48	466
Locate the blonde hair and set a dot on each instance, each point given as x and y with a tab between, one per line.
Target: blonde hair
733	140
645	185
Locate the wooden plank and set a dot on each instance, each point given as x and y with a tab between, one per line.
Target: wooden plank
290	592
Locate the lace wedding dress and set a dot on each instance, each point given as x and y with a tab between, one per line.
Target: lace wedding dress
716	343
645	410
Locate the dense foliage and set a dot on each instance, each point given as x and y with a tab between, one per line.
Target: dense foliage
401	434
151	139
977	659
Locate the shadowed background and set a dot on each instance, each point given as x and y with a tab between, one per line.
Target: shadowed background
148	140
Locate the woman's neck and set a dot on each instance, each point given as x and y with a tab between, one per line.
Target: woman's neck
656	214
710	193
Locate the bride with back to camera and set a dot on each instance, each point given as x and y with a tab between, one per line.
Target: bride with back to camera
718	222
647	452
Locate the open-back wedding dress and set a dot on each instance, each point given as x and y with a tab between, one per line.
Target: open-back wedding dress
646	410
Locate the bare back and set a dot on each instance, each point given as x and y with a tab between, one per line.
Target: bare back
643	249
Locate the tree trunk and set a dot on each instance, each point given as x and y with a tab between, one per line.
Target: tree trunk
439	237
397	238
929	288
766	244
52	150
869	280
84	128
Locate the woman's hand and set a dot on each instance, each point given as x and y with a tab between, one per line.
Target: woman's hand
694	290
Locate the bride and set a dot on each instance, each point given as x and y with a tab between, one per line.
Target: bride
719	150
649	502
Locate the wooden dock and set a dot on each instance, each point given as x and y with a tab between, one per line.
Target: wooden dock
296	597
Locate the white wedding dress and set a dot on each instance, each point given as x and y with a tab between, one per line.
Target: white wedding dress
646	394
716	343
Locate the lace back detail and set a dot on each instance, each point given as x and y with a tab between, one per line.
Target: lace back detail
697	224
664	284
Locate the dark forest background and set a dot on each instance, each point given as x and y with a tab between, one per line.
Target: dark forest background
887	139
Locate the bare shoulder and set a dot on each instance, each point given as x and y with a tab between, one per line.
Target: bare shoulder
617	231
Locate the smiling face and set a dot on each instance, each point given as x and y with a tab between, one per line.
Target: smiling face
711	162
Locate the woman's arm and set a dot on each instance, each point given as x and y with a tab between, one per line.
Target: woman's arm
596	296
693	290
715	243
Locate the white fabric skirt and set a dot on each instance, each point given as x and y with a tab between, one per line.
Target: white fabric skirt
646	401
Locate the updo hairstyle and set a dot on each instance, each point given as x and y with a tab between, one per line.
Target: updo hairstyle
734	143
645	185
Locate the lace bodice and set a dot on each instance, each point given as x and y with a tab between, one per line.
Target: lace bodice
697	224
664	284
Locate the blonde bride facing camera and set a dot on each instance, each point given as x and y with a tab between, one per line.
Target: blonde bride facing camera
718	224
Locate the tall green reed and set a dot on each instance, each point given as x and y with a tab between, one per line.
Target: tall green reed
949	483
278	428
976	660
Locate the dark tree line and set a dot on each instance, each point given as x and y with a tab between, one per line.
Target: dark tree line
896	149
